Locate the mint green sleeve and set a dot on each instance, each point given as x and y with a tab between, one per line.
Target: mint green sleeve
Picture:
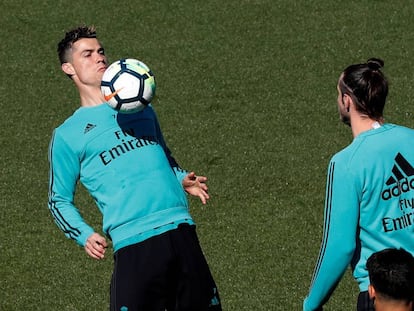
63	177
339	235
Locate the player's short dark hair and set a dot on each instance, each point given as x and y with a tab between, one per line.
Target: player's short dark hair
391	273
65	45
367	86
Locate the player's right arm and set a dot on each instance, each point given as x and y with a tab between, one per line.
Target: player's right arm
64	175
339	234
96	246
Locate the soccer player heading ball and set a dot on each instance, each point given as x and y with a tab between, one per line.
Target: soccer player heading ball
124	163
369	193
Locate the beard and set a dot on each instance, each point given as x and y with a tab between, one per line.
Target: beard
345	119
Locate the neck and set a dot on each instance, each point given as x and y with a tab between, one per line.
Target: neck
392	306
90	96
360	124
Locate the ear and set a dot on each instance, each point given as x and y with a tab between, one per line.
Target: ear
347	101
371	291
68	69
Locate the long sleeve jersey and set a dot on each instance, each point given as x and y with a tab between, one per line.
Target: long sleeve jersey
124	163
369	206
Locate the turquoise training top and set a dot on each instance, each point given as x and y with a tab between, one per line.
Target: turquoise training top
124	163
369	206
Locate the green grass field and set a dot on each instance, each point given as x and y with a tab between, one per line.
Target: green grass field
246	95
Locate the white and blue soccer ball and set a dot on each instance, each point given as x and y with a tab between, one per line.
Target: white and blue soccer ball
128	85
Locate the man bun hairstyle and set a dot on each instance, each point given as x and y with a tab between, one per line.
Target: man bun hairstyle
367	85
375	63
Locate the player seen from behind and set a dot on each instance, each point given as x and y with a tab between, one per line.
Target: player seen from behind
369	204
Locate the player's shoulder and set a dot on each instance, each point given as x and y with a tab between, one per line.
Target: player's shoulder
388	133
368	145
346	155
399	128
82	121
343	154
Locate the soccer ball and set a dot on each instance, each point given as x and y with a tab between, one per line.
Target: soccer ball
128	85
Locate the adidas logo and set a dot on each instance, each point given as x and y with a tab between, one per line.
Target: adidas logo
89	127
401	172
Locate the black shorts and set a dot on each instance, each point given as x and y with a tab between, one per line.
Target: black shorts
165	272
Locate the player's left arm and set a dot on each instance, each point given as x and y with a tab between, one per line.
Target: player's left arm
179	172
339	235
192	183
197	186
